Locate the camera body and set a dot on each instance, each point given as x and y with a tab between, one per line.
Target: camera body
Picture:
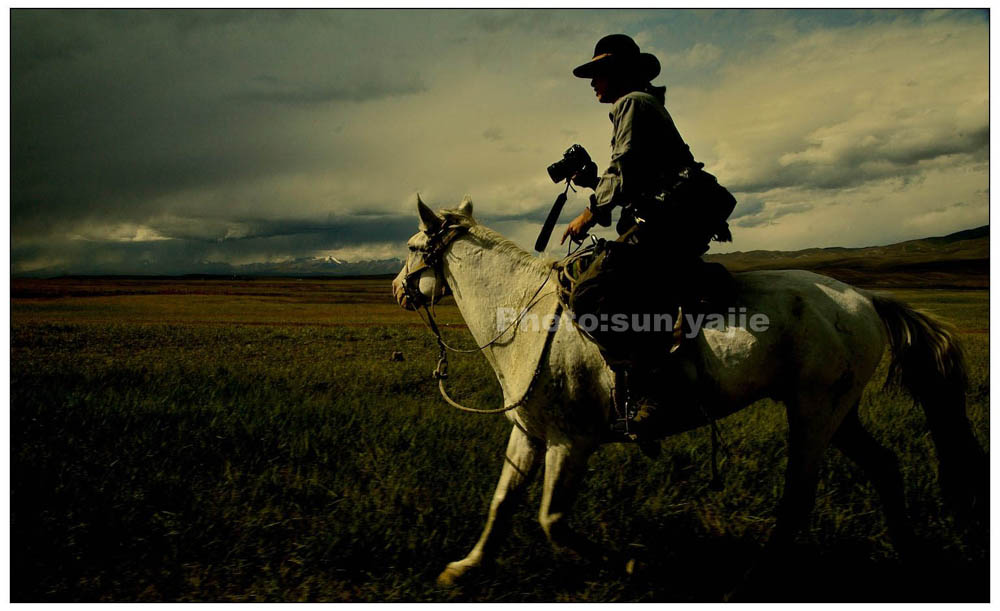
574	160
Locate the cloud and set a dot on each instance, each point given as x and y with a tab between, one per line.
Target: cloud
493	134
374	251
276	91
875	213
840	107
819	121
759	212
747	208
125	232
215	125
175	246
699	55
236	134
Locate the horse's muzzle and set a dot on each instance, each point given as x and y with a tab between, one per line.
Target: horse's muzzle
403	297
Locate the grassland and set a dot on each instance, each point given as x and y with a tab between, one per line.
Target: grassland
208	440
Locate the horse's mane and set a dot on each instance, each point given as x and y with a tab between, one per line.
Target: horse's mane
497	242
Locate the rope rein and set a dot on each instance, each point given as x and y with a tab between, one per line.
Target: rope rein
440	373
530	305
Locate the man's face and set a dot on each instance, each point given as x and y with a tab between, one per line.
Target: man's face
605	87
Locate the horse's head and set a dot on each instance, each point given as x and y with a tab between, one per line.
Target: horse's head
421	281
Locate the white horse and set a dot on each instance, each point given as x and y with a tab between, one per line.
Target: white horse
822	346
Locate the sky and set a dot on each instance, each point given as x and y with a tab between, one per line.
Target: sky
165	140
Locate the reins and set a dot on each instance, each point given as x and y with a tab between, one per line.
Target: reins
440	373
530	305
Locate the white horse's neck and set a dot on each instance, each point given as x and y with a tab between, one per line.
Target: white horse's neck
494	280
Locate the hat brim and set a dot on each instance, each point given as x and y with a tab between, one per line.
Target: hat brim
645	65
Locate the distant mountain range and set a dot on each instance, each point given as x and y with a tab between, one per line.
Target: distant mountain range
314	266
957	260
305	267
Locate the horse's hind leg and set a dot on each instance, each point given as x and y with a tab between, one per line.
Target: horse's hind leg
521	462
807	442
882	468
812	422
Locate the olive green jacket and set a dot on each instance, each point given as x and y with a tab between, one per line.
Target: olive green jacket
646	149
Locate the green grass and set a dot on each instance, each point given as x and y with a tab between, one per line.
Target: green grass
189	445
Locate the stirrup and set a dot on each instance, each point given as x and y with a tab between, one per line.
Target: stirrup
621	427
620	430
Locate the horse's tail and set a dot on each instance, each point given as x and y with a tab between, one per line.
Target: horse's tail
928	361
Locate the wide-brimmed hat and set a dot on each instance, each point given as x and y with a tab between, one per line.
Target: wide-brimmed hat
618	52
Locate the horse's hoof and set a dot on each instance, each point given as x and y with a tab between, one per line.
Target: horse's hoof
454	574
635	568
744	592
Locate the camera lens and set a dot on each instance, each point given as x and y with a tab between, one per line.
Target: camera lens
557	171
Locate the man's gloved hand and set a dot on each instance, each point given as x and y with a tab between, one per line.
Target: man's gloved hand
587	177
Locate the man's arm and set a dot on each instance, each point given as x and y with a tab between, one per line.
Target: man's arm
610	189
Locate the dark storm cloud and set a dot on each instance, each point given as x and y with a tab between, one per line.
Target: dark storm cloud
33	52
875	158
535	216
113	109
211	252
751	221
301	239
747	207
301	236
755	213
553	22
191	135
278	92
189	131
43	35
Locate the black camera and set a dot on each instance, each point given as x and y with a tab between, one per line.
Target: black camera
574	160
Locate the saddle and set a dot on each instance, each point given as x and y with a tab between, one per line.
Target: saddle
711	290
591	281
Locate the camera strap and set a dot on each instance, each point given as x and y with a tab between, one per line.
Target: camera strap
550	221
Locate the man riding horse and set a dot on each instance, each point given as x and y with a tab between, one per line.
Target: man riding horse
822	345
671	209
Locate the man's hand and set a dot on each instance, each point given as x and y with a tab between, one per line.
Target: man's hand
587	177
579	226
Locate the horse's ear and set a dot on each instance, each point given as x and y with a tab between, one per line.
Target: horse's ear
466	206
430	222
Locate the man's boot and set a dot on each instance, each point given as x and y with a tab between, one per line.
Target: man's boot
647	425
643	427
647	421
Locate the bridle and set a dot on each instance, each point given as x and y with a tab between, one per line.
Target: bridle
431	258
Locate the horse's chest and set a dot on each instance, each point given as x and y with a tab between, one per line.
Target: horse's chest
564	403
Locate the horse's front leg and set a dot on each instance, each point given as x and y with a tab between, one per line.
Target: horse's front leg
565	465
520	464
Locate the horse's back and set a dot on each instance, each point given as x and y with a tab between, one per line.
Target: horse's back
803	286
794	325
813	307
